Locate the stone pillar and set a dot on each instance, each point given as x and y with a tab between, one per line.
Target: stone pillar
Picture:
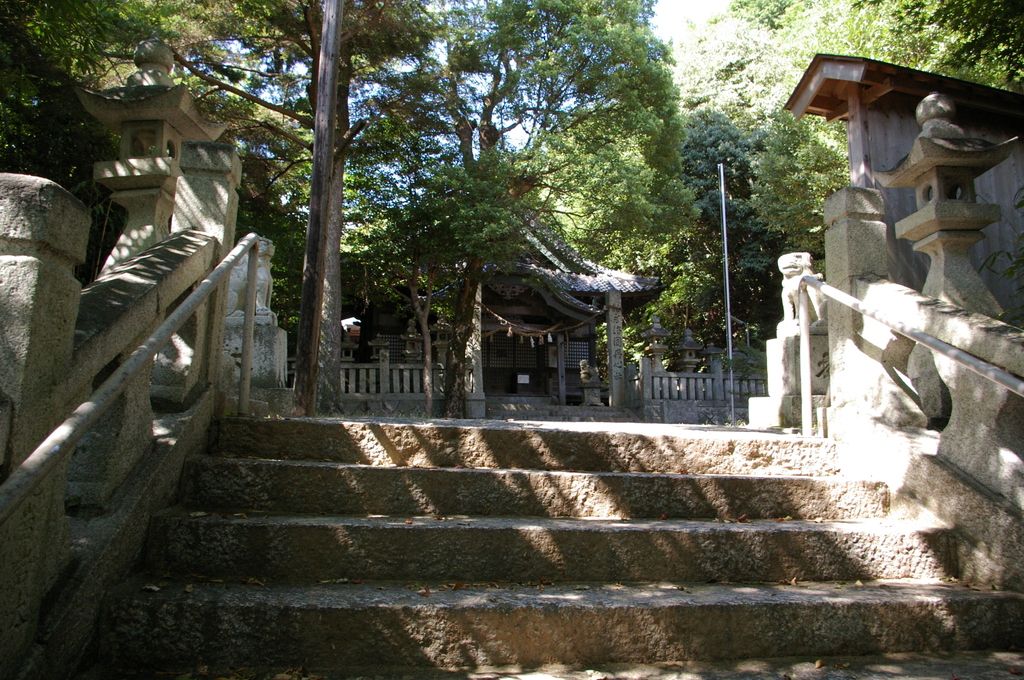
43	235
616	360
476	400
206	201
867	388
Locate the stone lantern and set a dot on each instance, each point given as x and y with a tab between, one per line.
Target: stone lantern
153	116
379	349
413	350
690	350
442	338
941	168
348	347
654	336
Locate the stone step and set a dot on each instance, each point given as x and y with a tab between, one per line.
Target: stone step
612	447
312	548
386	624
245	484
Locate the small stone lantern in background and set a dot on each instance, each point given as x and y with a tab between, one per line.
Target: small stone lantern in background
348	347
379	349
413	343
654	336
689	351
442	338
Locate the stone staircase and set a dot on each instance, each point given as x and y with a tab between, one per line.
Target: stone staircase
387	543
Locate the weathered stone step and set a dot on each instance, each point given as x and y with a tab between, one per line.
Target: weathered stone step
614	447
346	489
334	626
311	548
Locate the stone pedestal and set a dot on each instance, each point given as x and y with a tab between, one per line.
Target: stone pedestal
269	351
782	407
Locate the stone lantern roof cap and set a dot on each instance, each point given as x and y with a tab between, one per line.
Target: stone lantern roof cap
689	343
711	350
150	94
942	143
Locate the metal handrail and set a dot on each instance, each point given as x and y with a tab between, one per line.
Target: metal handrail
983	368
61	442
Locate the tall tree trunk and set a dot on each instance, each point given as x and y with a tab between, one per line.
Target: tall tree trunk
455	383
331	332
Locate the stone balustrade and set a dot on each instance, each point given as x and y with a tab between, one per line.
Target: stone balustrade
60	342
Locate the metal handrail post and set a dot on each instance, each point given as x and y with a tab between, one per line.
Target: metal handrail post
805	364
61	442
247	329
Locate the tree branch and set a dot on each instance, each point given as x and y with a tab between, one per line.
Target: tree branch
304	120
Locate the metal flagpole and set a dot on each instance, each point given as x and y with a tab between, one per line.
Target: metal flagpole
728	304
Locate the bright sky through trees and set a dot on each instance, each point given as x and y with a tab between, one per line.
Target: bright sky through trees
670	15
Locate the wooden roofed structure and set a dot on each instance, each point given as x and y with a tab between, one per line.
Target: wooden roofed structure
877	101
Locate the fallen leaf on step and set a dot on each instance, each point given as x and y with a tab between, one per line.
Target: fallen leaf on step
859	583
216	580
1014	671
683	471
842	665
793	582
190	587
151	588
787	518
425	592
253	582
408	521
240	515
663	517
198	513
460	467
459	586
954	677
742	518
356	581
819	663
544	582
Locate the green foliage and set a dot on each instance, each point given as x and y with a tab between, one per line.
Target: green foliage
46	49
984	40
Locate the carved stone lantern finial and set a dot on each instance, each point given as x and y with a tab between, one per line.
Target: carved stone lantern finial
941	168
